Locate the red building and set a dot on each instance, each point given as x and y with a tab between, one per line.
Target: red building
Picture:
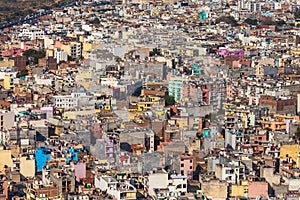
277	105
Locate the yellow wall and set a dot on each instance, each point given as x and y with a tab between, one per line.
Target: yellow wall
239	190
87	46
5	158
181	122
50	53
144	106
194	146
291	149
27	167
295	51
6	82
130	195
7	63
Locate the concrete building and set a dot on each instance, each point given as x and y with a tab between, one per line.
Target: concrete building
7	119
27	167
71	101
159	179
186	165
256	189
115	188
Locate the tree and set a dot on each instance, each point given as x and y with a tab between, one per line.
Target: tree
297	14
228	19
253	22
155	51
31	53
21	73
137	92
297	133
95	21
169	100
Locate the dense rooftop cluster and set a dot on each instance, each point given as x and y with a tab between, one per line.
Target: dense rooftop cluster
151	100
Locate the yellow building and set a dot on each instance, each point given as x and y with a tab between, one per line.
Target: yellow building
131	195
181	122
145	103
7	63
239	190
5	158
7	82
27	167
292	150
73	49
194	145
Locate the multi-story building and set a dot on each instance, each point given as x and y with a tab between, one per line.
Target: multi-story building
7	119
32	33
71	101
186	165
73	49
119	190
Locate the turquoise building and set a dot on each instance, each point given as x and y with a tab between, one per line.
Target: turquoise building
202	16
175	89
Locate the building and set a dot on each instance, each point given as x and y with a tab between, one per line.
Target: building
7	119
159	179
118	190
186	165
71	101
278	105
32	33
27	167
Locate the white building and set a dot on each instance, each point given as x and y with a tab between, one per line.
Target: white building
60	55
119	190
32	33
72	101
160	184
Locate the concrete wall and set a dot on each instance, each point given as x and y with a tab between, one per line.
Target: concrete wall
5	158
27	167
215	189
257	189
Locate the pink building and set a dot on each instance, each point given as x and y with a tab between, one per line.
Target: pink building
241	62
45	110
229	91
226	52
256	189
186	165
80	170
253	101
188	90
12	52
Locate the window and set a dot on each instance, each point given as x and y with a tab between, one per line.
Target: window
191	167
182	165
191	161
182	172
184	185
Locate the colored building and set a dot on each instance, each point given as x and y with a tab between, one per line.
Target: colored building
41	158
186	165
258	189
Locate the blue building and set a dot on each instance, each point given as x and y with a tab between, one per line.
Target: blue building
41	157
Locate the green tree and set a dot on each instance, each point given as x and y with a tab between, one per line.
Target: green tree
34	54
169	100
155	51
297	133
95	21
253	22
228	19
23	72
297	14
137	92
